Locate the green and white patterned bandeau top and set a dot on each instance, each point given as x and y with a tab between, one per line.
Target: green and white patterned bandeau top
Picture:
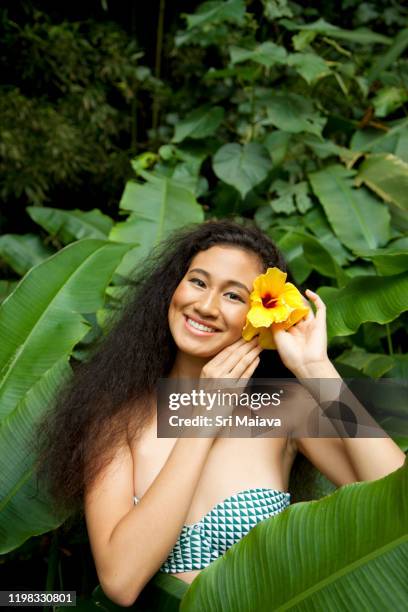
199	544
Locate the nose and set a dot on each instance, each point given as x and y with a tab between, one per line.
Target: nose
208	305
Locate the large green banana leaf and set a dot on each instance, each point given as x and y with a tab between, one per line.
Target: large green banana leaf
24	511
347	551
70	225
387	261
371	364
6	287
40	323
22	252
159	205
365	298
358	219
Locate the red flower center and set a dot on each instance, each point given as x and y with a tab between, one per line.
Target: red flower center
268	301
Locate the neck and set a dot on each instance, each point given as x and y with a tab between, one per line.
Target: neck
187	366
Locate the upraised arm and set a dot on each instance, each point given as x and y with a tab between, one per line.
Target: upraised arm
303	349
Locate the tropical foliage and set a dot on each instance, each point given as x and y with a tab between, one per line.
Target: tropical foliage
370	542
69	108
273	114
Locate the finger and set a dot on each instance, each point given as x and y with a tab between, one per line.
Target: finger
300	327
229	350
245	362
229	362
310	316
251	368
279	333
318	302
310	313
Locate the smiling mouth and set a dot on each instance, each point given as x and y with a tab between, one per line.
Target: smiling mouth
199	326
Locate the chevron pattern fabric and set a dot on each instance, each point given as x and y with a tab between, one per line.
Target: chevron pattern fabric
225	524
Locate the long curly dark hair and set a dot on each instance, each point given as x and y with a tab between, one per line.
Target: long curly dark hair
95	412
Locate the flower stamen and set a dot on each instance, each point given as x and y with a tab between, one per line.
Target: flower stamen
268	301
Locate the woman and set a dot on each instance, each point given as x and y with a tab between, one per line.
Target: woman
148	501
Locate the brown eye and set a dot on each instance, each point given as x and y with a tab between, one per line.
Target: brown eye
198	282
235	297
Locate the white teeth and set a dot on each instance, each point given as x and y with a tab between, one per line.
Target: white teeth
199	326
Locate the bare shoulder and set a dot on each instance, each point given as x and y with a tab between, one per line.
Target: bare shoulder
109	499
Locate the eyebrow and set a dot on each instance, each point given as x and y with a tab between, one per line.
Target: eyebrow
228	282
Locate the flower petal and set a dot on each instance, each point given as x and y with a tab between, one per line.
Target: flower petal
271	282
280	312
295	316
259	316
292	296
249	331
266	340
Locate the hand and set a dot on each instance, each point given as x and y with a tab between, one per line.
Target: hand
237	361
305	343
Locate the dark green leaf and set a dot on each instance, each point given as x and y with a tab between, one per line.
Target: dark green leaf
359	220
267	53
200	123
366	298
217	11
387	176
293	113
242	166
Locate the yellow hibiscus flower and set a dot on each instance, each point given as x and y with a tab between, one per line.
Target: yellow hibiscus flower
275	304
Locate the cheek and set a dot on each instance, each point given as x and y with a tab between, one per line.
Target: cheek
237	317
180	297
178	302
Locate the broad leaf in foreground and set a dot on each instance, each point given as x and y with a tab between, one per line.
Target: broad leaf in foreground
41	320
336	553
25	511
40	323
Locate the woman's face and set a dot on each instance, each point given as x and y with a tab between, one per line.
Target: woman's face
208	309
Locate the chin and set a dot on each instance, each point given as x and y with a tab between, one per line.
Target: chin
197	351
